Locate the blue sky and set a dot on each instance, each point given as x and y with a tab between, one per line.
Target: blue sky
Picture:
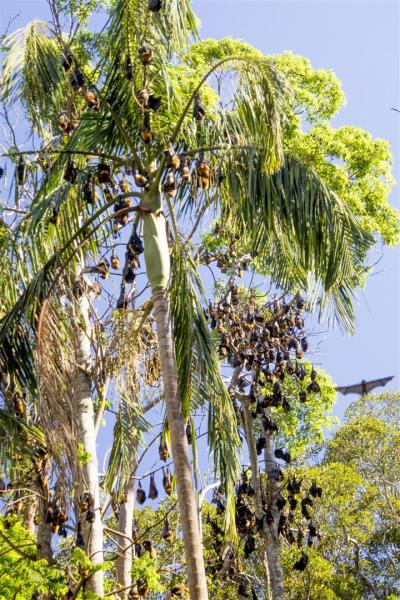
359	40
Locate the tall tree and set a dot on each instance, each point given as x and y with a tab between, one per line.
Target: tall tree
130	99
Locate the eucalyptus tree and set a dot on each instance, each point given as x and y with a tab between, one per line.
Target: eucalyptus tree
139	113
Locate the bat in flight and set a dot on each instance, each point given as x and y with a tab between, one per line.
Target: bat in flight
364	387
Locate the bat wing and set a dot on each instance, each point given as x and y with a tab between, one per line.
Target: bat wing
370	385
350	389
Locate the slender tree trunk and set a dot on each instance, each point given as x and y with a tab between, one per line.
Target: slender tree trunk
270	535
44	540
92	532
156	253
43	535
180	451
30	508
125	521
271	532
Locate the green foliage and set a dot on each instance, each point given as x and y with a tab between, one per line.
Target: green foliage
303	234
32	73
318	94
320	580
20	573
383	406
370	445
82	455
305	425
145	568
358	511
358	168
306	200
350	161
209	51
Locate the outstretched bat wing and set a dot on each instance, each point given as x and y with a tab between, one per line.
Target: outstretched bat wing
350	389
361	388
370	385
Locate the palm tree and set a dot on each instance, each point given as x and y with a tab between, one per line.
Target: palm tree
148	110
92	529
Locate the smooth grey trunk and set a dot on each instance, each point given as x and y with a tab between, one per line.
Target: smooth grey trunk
92	532
180	451
124	559
270	532
273	544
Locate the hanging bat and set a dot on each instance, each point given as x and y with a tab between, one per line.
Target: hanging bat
364	387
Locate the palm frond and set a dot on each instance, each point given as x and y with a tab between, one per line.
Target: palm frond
38	274
300	231
32	73
169	30
117	125
17	327
174	26
253	117
130	425
199	375
18	437
55	364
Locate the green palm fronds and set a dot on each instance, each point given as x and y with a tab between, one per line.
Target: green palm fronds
200	381
16	436
299	231
32	73
130	425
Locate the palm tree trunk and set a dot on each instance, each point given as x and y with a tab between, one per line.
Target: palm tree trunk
272	545
156	253
180	451
124	560
92	532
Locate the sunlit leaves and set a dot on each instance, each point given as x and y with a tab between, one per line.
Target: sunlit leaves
357	168
21	574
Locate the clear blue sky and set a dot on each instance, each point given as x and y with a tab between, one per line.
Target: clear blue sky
359	40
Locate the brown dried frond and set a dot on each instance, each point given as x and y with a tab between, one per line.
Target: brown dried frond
55	360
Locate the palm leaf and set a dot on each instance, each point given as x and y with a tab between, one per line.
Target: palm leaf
17	437
32	72
298	229
17	327
169	30
200	380
129	427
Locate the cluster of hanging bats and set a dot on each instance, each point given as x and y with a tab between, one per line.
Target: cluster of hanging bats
267	342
